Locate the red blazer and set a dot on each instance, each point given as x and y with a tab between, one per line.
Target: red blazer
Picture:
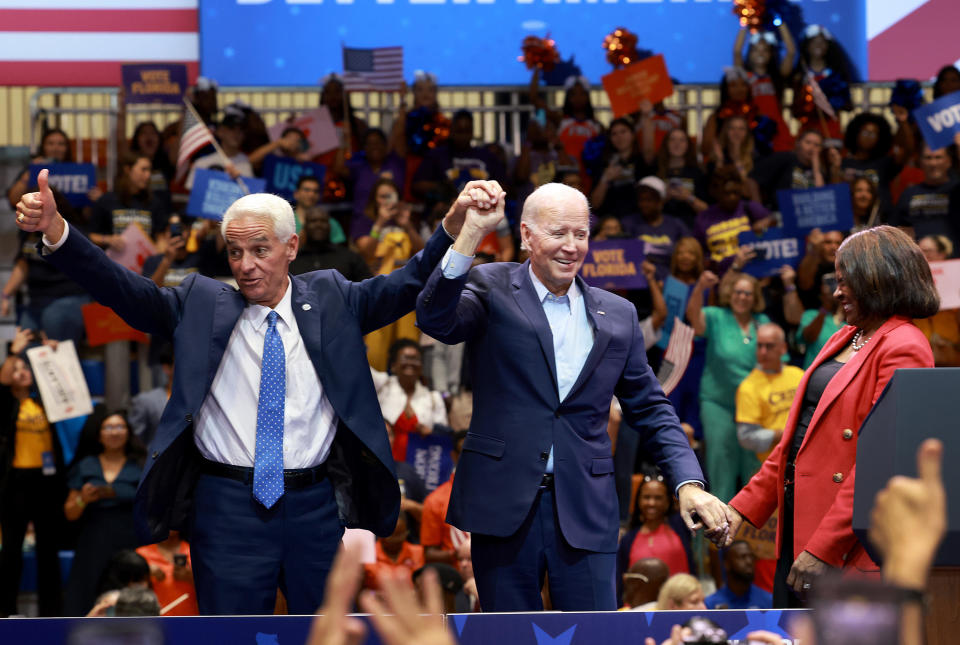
826	463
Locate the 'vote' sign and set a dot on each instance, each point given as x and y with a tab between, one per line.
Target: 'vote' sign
74	180
939	121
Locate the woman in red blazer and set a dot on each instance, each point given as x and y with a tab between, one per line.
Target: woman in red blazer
883	281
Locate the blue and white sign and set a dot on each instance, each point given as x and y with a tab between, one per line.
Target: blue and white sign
213	192
430	457
828	208
74	180
477	42
939	121
774	249
282	174
675	295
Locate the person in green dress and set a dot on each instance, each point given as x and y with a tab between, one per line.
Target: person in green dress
818	325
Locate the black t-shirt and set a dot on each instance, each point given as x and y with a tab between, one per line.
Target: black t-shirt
929	210
816	386
781	171
456	168
45	282
111	215
693	179
621	196
881	172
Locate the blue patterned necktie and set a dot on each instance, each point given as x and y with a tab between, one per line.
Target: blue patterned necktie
268	461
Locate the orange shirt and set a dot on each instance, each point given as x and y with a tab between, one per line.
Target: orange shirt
409	560
168	589
434	530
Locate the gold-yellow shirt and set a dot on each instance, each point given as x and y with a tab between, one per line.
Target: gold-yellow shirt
765	399
33	436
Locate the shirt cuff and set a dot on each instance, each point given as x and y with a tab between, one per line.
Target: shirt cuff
63	238
689	481
455	265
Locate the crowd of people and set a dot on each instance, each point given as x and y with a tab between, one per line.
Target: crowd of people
382	200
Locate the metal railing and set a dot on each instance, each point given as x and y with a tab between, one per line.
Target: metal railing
90	115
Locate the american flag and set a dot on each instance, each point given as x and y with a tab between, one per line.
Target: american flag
195	135
819	98
677	356
84	42
379	69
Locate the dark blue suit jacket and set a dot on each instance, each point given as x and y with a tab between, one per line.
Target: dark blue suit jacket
200	314
518	414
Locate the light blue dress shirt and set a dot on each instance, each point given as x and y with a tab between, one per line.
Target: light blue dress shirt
567	315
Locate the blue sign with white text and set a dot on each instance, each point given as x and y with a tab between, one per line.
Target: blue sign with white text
213	192
283	174
430	457
774	248
477	42
675	295
828	208
74	180
939	121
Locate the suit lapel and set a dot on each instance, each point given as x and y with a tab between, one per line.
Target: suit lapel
601	335
526	297
310	317
226	312
842	379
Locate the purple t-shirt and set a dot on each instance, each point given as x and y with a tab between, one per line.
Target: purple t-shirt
362	178
658	240
718	232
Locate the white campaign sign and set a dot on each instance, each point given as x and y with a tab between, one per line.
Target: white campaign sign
60	380
946	276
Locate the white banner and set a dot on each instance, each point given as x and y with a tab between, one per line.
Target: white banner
946	277
60	380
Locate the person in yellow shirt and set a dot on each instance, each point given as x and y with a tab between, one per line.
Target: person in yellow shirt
763	404
31	484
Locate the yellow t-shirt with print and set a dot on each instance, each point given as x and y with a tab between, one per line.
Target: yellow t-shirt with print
33	436
765	399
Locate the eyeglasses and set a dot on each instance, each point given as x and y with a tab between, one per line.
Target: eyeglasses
741	292
114	427
767	345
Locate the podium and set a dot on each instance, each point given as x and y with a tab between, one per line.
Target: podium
917	404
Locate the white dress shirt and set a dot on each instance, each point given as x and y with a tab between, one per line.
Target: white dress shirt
225	429
426	404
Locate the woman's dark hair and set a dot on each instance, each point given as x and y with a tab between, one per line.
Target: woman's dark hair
89	443
126	567
887	274
863	178
663	154
568	107
721	177
398	346
370	210
836	60
292	128
610	151
67	158
122	183
374	132
773	66
884	134
725	90
636	516
160	161
941	77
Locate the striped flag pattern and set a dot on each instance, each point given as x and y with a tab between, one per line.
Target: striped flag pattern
379	69
84	42
195	135
819	98
677	356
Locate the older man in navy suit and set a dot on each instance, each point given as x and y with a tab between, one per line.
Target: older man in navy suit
272	440
534	483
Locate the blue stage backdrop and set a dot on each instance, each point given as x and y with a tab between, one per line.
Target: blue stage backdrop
476	42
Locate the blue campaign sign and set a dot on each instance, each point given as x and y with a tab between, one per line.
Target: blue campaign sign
614	264
74	180
828	208
213	192
675	294
430	457
477	42
154	82
774	249
282	174
939	121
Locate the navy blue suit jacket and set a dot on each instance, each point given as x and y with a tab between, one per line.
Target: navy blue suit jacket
518	414
199	316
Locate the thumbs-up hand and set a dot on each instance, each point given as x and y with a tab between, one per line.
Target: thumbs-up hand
909	519
38	211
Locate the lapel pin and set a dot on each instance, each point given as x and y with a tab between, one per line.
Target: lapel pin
305	306
602	313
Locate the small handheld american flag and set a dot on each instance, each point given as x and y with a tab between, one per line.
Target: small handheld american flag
376	70
194	135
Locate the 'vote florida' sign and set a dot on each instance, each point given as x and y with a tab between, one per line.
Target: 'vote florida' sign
939	121
213	192
774	249
614	264
74	180
154	82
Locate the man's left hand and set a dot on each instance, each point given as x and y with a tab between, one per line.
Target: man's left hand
805	570
713	514
483	196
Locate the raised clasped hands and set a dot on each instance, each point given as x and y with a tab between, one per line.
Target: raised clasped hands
480	206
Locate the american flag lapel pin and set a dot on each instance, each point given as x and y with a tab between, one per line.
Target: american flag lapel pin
601	312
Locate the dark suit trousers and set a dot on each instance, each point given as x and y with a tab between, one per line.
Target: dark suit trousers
510	571
242	552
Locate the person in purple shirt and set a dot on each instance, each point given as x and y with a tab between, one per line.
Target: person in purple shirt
659	232
718	227
739	592
371	164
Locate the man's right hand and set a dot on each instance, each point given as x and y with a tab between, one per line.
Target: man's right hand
38	211
477	211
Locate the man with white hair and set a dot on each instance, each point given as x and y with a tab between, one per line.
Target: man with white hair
272	440
534	483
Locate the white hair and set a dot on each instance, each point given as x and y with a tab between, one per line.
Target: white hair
551	198
265	206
